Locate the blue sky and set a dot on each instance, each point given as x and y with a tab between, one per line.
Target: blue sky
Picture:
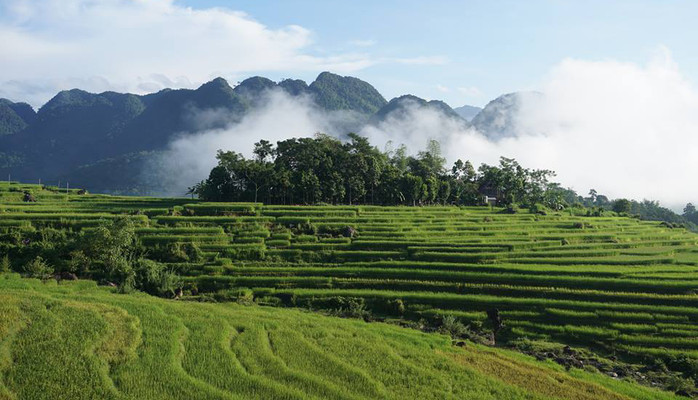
464	52
490	47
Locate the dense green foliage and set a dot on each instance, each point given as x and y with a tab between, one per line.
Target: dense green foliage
646	209
325	170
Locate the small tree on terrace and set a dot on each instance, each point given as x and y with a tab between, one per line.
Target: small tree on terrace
113	246
5	265
38	268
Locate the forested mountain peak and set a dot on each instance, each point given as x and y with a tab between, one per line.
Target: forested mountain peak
15	117
252	89
255	83
336	92
398	107
77	101
70	97
23	110
294	87
216	83
213	93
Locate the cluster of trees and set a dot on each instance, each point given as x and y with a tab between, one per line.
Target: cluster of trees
109	253
324	169
646	209
651	210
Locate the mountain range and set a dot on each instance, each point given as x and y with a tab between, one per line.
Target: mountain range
99	141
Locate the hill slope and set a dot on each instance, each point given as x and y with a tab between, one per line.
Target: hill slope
75	340
622	291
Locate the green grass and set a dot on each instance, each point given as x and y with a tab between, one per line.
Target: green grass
616	285
76	340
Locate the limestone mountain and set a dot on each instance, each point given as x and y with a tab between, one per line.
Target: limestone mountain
499	117
14	117
467	112
334	92
400	107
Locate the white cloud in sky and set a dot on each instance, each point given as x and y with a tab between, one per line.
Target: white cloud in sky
625	129
146	45
138	45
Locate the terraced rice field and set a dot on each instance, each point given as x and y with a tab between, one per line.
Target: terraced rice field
614	284
75	340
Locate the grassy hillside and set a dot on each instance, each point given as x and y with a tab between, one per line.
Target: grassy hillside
621	292
76	341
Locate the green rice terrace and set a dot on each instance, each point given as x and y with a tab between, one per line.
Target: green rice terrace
442	302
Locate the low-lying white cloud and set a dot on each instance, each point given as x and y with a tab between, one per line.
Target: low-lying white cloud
625	129
415	127
193	156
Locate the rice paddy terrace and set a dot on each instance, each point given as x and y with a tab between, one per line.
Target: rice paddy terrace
622	287
75	340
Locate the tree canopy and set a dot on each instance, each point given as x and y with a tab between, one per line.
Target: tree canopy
324	169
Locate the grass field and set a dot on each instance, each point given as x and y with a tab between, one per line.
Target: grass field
619	287
75	340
